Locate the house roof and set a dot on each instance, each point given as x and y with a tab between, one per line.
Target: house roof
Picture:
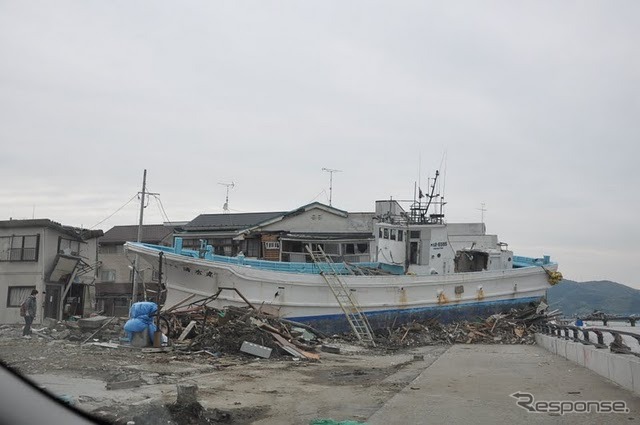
298	211
235	221
74	232
151	233
352	236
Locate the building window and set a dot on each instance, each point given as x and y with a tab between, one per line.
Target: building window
272	245
400	235
108	275
191	243
68	246
111	249
19	248
18	294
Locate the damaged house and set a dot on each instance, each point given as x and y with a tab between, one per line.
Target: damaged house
60	262
114	288
282	236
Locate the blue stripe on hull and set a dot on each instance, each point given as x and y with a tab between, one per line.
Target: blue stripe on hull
336	323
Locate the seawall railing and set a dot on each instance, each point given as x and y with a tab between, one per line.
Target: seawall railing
595	336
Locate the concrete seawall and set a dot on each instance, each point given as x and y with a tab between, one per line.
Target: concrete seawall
623	369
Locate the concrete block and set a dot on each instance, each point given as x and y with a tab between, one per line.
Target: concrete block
255	349
92	323
635	375
187	394
598	361
140	339
620	370
570	350
561	347
331	349
580	353
49	322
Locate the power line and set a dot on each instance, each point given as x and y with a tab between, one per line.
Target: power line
161	207
115	212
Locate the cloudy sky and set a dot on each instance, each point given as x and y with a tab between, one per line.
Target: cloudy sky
533	108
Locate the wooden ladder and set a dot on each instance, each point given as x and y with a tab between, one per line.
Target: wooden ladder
357	320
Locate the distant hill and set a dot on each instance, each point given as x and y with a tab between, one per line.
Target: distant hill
582	298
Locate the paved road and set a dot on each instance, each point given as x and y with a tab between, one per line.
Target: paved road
472	385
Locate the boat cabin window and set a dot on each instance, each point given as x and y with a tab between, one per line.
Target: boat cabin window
470	261
392	235
355	248
386	233
400	235
380	232
415	234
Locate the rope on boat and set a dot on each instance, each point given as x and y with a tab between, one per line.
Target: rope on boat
553	277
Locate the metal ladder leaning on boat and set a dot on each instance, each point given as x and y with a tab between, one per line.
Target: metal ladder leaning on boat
357	320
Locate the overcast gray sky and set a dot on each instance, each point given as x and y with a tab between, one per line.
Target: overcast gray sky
536	105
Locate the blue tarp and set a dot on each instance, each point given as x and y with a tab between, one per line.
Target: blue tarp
141	318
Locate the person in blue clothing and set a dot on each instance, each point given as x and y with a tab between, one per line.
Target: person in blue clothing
579	323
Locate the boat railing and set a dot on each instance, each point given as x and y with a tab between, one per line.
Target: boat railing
520	261
289	267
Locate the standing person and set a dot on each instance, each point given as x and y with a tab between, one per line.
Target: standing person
30	313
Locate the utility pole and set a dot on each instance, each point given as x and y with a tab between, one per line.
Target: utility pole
225	207
136	271
331	171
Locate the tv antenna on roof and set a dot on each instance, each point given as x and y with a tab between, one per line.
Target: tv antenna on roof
331	171
225	207
482	209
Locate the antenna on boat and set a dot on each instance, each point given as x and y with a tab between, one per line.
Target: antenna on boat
225	207
331	171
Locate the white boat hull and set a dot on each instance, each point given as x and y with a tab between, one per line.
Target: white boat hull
384	299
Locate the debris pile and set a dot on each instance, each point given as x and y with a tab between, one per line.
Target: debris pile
98	328
216	332
514	327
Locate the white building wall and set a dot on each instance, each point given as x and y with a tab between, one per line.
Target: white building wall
120	263
319	220
33	273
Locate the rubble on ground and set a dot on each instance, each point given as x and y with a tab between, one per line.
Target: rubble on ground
197	329
217	332
514	327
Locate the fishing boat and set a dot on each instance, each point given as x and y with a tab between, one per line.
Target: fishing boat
421	267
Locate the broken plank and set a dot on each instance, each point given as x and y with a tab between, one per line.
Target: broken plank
284	342
186	330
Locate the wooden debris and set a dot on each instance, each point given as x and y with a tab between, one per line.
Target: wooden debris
186	330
